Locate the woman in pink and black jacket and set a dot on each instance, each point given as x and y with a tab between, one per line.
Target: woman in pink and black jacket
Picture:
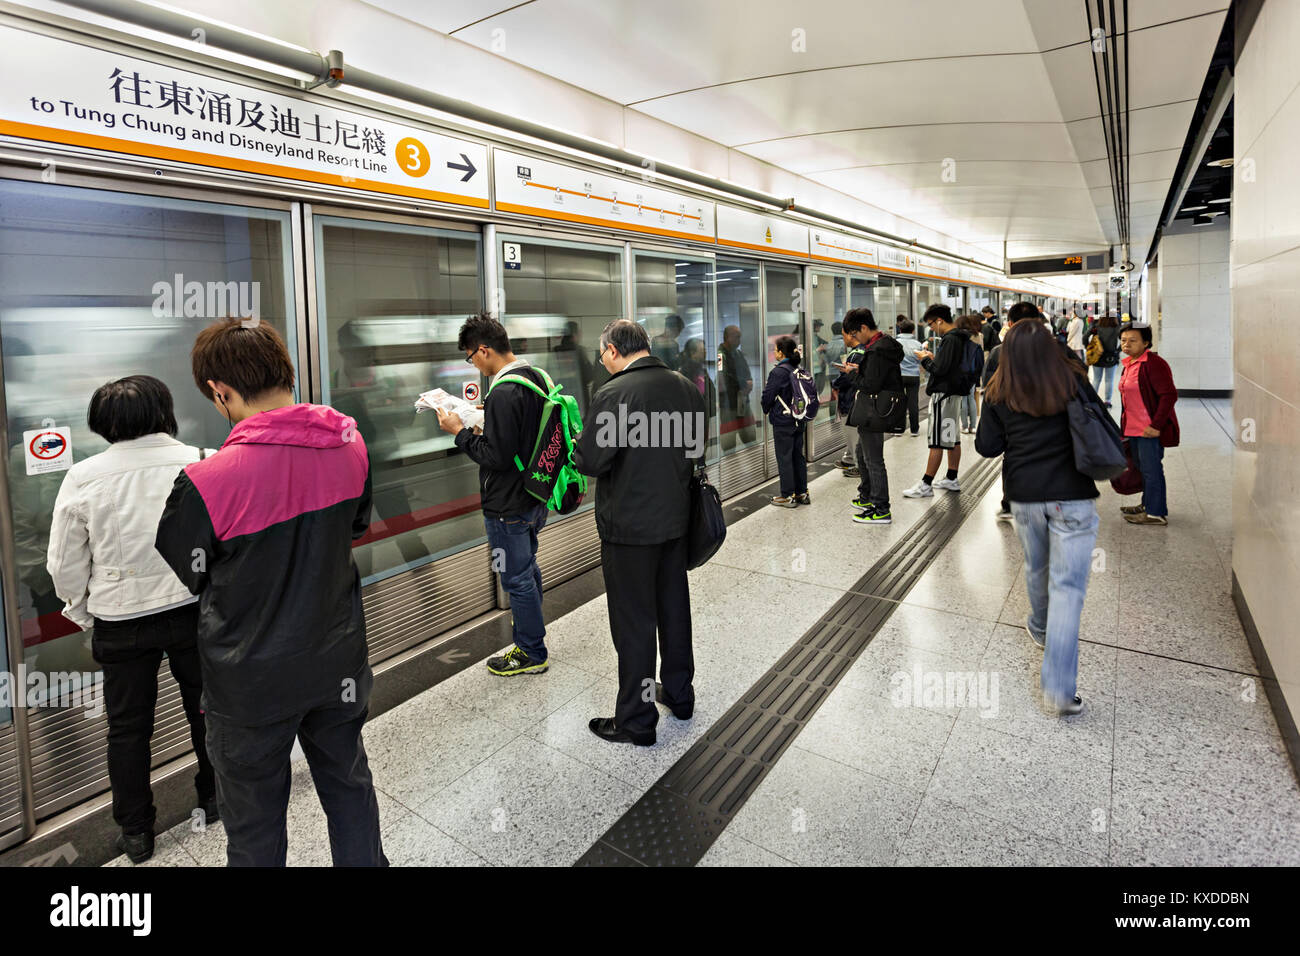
1146	387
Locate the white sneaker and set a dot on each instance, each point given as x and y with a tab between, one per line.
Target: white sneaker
946	485
919	490
1005	515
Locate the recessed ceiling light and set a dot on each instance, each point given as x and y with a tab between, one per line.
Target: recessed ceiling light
1203	221
1221	163
1216	212
1224	199
1194	208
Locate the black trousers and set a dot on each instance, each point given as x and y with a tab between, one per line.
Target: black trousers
648	594
129	653
912	389
253	780
791	465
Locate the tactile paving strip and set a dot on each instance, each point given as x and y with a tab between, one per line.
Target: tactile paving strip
676	821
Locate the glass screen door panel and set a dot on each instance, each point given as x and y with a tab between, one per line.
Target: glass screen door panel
390	302
737	354
97	285
830	298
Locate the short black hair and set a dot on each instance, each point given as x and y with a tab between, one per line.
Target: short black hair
837	328
1022	310
1142	330
857	318
938	311
787	345
625	335
905	326
131	407
987	310
482	329
673	319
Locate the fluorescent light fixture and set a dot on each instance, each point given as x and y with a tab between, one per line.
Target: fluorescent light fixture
1203	221
1194	208
1221	163
1224	199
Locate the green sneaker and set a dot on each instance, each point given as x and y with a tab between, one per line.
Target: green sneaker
860	503
872	516
515	661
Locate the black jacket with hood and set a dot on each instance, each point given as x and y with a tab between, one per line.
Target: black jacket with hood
945	368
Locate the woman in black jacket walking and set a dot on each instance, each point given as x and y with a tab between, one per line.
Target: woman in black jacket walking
1025	420
790	402
1107	330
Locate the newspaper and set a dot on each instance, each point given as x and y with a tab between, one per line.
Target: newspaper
470	415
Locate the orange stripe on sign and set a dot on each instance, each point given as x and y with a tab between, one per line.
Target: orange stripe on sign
751	245
592	221
609	199
95	141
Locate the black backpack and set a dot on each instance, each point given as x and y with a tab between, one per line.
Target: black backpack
972	365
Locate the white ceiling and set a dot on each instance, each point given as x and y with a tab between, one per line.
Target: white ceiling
884	92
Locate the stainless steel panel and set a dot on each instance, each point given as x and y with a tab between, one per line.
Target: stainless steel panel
742	470
826	436
568	548
413	607
11	805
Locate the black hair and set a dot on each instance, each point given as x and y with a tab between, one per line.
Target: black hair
987	310
482	329
788	347
938	311
905	326
1022	310
857	318
626	336
673	319
131	407
837	328
1142	330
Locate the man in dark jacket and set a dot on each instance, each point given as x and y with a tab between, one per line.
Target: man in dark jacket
641	440
991	329
946	385
877	374
262	531
1021	310
512	517
843	391
735	382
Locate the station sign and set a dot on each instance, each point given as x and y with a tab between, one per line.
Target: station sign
58	91
742	229
892	258
830	246
537	187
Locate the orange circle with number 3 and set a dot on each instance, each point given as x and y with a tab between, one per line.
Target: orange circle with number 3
412	157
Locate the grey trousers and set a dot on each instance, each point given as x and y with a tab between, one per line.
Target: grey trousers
873	483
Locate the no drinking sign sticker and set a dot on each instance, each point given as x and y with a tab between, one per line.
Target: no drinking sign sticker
48	449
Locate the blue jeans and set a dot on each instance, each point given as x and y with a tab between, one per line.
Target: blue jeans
1057	538
513	542
968	417
1150	456
1107	373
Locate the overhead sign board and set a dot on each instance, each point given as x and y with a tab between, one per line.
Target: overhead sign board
742	229
831	246
57	91
538	187
1075	263
892	258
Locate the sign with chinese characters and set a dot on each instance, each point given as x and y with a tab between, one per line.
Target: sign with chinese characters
537	187
58	91
832	246
742	229
897	259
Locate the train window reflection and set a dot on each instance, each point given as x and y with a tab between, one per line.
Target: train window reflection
88	282
391	300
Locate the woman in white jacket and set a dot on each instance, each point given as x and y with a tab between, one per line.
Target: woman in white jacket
104	566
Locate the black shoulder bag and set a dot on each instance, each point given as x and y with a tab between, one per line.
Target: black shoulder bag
708	528
1098	445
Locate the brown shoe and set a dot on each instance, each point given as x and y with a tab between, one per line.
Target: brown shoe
1144	518
782	502
1132	509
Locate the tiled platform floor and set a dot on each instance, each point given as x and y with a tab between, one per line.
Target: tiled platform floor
1175	760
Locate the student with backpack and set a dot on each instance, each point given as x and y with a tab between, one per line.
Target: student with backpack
947	383
790	402
513	517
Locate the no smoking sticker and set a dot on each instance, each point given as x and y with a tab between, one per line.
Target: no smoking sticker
470	391
48	449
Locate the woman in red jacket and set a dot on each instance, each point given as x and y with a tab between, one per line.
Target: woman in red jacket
1146	387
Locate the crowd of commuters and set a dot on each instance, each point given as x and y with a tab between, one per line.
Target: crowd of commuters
236	564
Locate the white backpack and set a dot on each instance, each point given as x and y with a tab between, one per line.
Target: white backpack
803	398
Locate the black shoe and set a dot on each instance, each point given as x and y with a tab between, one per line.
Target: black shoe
515	661
803	499
681	713
211	812
138	847
603	727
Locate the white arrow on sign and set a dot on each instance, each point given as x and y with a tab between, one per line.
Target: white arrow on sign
453	655
64	854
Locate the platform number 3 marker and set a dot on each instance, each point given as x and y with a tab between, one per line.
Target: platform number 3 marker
412	156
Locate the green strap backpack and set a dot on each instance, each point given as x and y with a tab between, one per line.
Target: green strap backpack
549	473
